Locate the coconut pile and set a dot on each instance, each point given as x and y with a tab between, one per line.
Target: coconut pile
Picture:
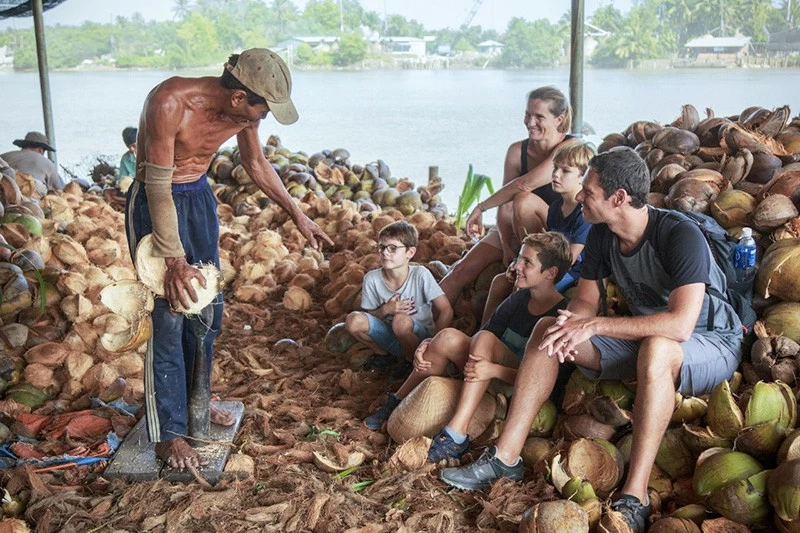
728	461
328	174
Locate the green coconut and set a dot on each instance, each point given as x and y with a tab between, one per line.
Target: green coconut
545	420
771	402
673	456
718	467
390	197
617	391
409	202
744	501
779	270
27	394
783	489
783	319
723	416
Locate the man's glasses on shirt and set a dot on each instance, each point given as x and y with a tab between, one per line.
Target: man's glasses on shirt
391	248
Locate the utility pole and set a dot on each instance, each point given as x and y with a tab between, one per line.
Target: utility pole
341	17
722	18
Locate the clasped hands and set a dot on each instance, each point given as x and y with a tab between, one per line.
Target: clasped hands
562	338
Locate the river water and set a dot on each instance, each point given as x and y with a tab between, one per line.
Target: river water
410	119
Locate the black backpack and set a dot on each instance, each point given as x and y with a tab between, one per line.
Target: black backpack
723	245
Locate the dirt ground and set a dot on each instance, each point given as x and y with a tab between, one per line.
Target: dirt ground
298	400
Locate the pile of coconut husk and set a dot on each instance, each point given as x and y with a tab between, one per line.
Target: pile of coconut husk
74	326
327	174
728	460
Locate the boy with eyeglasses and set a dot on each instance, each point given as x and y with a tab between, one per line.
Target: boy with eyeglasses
402	303
496	350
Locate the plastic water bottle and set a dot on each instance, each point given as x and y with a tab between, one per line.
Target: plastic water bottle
745	257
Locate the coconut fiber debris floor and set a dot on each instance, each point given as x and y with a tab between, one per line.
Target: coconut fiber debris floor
136	458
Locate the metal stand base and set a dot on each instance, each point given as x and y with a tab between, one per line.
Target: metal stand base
136	460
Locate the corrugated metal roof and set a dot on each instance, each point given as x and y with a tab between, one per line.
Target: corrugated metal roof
23	8
708	41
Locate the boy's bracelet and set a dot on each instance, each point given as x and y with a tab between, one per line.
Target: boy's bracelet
480	207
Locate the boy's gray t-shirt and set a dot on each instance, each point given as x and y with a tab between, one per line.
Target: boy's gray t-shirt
419	284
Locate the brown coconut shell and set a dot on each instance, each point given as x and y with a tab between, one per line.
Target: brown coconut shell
691	195
430	406
562	516
297	299
613	522
674	525
594	460
763	168
574	427
689	118
676	141
610	141
785	181
77	364
666	176
732	208
51	354
775	210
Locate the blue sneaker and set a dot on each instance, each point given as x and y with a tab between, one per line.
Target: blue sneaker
444	448
483	472
376	419
633	511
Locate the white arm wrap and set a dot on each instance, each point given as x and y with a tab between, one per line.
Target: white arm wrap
158	186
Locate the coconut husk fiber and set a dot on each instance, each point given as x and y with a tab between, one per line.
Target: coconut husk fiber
430	406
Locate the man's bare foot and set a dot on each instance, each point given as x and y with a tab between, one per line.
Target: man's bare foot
221	417
177	453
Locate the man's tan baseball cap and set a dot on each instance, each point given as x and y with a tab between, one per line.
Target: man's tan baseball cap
264	72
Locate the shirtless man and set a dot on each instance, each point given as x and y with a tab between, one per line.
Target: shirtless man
183	124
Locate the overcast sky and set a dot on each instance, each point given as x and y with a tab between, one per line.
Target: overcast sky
433	14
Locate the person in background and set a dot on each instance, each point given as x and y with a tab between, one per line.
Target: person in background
402	304
565	215
680	338
127	165
115	195
528	167
30	159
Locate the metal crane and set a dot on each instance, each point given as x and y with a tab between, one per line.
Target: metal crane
476	4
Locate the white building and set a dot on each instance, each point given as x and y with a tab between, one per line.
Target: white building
413	46
490	47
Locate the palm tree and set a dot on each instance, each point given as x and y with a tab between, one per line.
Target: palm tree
181	9
679	14
285	11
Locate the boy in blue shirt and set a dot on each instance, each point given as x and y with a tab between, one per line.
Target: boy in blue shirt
565	215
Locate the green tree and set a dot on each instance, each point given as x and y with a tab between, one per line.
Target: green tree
530	44
608	18
197	38
399	26
352	49
321	16
641	36
285	12
181	9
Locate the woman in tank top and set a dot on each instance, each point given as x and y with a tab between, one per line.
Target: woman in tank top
528	168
